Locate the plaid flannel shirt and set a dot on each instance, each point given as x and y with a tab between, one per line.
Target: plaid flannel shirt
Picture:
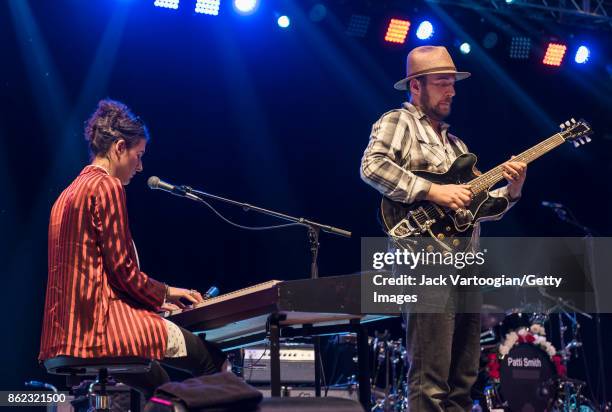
403	140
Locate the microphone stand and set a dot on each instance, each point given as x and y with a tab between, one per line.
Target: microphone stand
314	229
566	215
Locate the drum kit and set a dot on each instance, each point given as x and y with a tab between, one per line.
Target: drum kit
520	369
390	367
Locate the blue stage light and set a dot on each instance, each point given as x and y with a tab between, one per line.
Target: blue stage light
210	7
490	40
358	25
425	30
167	4
582	54
245	6
283	21
465	48
317	12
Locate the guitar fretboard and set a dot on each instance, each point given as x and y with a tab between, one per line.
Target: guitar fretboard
488	179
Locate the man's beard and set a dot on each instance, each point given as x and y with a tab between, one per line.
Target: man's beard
437	113
434	112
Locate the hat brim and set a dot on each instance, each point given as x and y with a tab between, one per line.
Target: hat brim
403	84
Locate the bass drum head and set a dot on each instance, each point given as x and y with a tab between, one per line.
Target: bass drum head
526	379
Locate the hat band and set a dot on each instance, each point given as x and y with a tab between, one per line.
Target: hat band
453	68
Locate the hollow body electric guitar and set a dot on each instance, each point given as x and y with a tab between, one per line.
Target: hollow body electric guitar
451	230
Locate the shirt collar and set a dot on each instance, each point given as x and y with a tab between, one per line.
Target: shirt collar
90	168
420	115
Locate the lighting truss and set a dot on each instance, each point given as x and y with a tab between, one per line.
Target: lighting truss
585	13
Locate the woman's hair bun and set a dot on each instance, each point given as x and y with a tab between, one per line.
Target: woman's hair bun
111	121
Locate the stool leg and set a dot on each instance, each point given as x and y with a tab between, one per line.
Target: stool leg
102	380
134	400
100	402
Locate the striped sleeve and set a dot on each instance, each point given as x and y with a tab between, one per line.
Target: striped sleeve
123	271
381	162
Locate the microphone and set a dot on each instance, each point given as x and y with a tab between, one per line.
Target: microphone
154	182
552	205
211	292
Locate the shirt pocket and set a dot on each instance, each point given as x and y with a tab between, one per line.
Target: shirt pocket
433	157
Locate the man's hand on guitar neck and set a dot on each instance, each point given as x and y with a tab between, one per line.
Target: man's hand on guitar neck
451	196
515	173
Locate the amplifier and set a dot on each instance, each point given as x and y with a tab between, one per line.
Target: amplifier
296	363
347	392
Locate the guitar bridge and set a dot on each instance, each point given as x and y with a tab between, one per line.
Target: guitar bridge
402	229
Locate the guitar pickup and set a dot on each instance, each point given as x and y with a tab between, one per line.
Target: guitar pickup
416	222
422	219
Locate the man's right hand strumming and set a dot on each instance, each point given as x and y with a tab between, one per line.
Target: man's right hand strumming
452	196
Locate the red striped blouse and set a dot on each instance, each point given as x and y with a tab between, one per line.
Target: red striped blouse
98	302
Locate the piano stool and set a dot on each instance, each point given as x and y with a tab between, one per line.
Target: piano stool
77	368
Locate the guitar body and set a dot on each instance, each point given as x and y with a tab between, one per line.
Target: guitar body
449	230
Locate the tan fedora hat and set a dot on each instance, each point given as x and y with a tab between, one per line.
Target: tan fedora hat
429	60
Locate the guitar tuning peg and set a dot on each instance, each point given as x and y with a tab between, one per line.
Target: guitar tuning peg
568	123
561	126
573	121
576	144
587	138
581	141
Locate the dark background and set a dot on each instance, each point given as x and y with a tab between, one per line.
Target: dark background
278	118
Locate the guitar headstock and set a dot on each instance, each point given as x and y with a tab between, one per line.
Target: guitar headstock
576	131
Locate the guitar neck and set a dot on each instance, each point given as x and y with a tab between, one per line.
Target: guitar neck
495	175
